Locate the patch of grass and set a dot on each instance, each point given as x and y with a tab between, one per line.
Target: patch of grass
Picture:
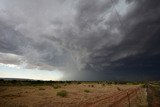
62	93
157	93
103	85
78	82
90	85
41	88
119	89
65	84
56	86
144	85
87	91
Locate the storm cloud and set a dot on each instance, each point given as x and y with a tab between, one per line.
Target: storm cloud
84	39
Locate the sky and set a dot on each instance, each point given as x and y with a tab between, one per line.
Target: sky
80	39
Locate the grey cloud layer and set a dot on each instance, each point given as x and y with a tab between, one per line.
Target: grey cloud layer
85	39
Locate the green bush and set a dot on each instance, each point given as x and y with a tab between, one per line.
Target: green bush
87	91
62	93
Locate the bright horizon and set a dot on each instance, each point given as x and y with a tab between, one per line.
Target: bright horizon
11	71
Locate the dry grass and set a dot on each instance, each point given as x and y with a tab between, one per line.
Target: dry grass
47	95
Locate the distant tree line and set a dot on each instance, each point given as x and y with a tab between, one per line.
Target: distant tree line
40	82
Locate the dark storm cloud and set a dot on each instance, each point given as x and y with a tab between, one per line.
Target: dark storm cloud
90	12
84	39
10	39
137	55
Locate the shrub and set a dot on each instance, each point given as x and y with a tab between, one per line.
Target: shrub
103	85
144	85
41	88
87	91
78	82
157	93
62	93
118	89
56	86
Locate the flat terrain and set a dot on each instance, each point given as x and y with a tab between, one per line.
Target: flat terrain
78	95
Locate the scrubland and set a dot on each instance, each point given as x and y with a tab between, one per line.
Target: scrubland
72	94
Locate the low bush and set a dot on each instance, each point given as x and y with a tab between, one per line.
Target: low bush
144	85
56	86
41	88
87	91
103	85
62	93
78	82
119	89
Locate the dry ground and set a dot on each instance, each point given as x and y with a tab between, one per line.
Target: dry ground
98	96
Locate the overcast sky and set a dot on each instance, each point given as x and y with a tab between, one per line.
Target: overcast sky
80	39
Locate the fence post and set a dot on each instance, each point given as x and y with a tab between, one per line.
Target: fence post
128	99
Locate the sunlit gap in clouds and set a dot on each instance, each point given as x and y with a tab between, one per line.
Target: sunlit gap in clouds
12	71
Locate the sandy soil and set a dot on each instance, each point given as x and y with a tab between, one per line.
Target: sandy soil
46	96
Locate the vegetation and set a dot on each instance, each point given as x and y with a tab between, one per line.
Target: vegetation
57	91
87	91
103	85
63	83
41	88
56	86
62	93
153	94
144	85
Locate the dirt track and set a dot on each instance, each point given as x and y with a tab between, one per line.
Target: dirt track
116	99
